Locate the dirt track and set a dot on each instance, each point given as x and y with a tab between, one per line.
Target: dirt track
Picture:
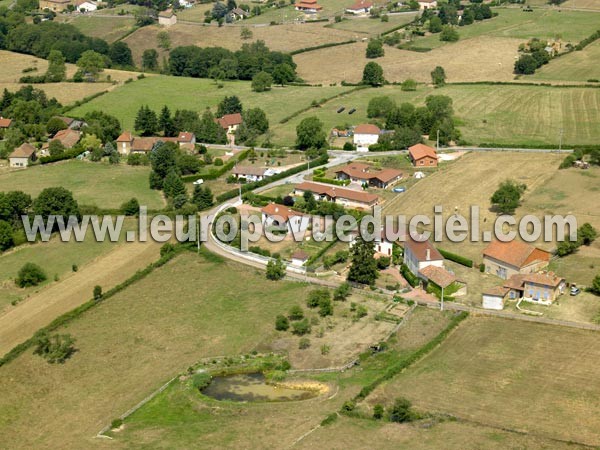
40	309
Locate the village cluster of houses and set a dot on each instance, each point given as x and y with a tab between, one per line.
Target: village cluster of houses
360	7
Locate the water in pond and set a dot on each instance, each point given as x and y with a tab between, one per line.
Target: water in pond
252	388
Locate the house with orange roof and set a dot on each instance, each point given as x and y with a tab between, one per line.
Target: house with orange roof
423	155
505	259
22	156
364	174
128	143
360	7
230	122
5	123
419	254
308	6
276	215
365	135
542	288
67	137
346	197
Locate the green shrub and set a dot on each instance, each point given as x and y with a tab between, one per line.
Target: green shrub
377	411
401	411
30	275
304	343
116	423
54	349
201	380
456	258
296	313
282	323
331	418
97	292
301	327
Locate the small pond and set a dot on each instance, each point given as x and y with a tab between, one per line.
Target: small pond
253	388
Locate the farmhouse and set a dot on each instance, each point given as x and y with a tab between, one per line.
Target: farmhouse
366	135
250	173
362	173
167	18
421	254
67	137
299	258
360	7
308	6
128	143
345	197
230	122
22	156
85	6
55	5
279	215
427	4
239	14
438	276
505	259
5	123
543	287
423	156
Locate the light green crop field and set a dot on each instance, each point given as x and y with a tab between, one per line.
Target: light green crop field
525	115
570	26
108	28
198	94
374	26
576	66
99	184
520	376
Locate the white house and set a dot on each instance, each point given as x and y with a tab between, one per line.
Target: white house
418	255
494	298
360	7
427	4
275	215
22	156
366	135
250	173
299	258
85	6
167	18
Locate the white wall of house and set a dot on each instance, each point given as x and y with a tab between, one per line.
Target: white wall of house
87	7
493	302
415	266
294	224
19	162
362	141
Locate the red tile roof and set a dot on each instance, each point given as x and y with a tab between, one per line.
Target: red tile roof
543	279
68	137
24	151
168	13
515	253
367	128
420	151
438	275
337	192
308	4
420	250
229	120
299	254
185	136
125	137
249	170
274	209
361	172
4	122
361	4
496	291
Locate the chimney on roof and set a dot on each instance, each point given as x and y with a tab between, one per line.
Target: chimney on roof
276	209
428	255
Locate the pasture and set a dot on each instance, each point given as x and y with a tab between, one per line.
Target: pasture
134	342
517	115
526	377
570	26
369	26
576	66
198	94
13	64
110	29
98	184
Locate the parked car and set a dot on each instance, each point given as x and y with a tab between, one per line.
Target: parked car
399	190
575	290
198	181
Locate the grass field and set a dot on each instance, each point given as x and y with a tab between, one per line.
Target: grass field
133	343
108	28
281	37
366	25
197	94
98	184
576	66
583	4
11	70
520	376
521	115
571	26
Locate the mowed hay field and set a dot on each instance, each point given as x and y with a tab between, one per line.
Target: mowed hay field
517	115
369	26
99	184
471	180
571	26
108	28
130	345
198	94
11	70
576	66
336	64
281	37
521	376
583	4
